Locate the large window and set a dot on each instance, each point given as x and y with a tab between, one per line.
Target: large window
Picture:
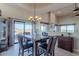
23	28
67	28
63	28
44	27
70	28
54	28
19	29
28	28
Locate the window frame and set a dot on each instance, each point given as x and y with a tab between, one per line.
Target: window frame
66	27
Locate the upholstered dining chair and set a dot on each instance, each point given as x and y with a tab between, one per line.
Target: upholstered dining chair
48	48
23	46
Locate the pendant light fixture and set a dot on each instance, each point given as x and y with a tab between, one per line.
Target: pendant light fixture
34	18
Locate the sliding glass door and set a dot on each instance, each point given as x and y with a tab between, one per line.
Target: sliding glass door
23	28
19	29
28	28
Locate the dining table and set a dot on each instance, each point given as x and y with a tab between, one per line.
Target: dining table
35	43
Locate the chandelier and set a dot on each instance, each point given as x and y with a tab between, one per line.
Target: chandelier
34	18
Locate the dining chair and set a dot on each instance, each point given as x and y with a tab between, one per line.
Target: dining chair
23	46
48	48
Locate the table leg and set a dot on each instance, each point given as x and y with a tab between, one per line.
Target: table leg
35	49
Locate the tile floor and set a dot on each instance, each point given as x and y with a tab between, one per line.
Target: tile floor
13	51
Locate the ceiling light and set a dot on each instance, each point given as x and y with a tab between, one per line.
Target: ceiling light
35	17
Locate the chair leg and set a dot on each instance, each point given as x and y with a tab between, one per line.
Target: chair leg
19	52
38	52
32	51
22	52
53	53
28	50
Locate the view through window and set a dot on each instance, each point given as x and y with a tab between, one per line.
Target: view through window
22	28
67	28
44	27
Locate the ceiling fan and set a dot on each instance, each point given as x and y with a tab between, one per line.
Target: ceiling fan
76	10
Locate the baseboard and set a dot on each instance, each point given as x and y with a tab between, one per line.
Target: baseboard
76	50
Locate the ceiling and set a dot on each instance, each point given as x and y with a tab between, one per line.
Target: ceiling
38	5
60	9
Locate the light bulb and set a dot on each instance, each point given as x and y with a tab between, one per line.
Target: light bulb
36	16
30	17
39	18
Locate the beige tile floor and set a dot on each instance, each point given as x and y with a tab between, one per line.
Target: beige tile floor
13	51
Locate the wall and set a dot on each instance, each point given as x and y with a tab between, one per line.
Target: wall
1	29
9	10
44	17
72	20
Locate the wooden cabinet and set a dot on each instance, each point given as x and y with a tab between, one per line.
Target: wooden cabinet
66	43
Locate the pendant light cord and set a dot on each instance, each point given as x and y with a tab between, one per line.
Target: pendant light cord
34	10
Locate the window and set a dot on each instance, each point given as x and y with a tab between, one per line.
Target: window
19	29
28	28
70	28
67	28
23	28
53	26
44	27
55	29
63	28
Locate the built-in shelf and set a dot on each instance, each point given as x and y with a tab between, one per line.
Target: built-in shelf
3	34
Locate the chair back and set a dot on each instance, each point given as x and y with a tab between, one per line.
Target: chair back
20	40
51	45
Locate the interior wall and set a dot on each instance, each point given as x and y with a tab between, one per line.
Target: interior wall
72	20
44	17
9	10
1	28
